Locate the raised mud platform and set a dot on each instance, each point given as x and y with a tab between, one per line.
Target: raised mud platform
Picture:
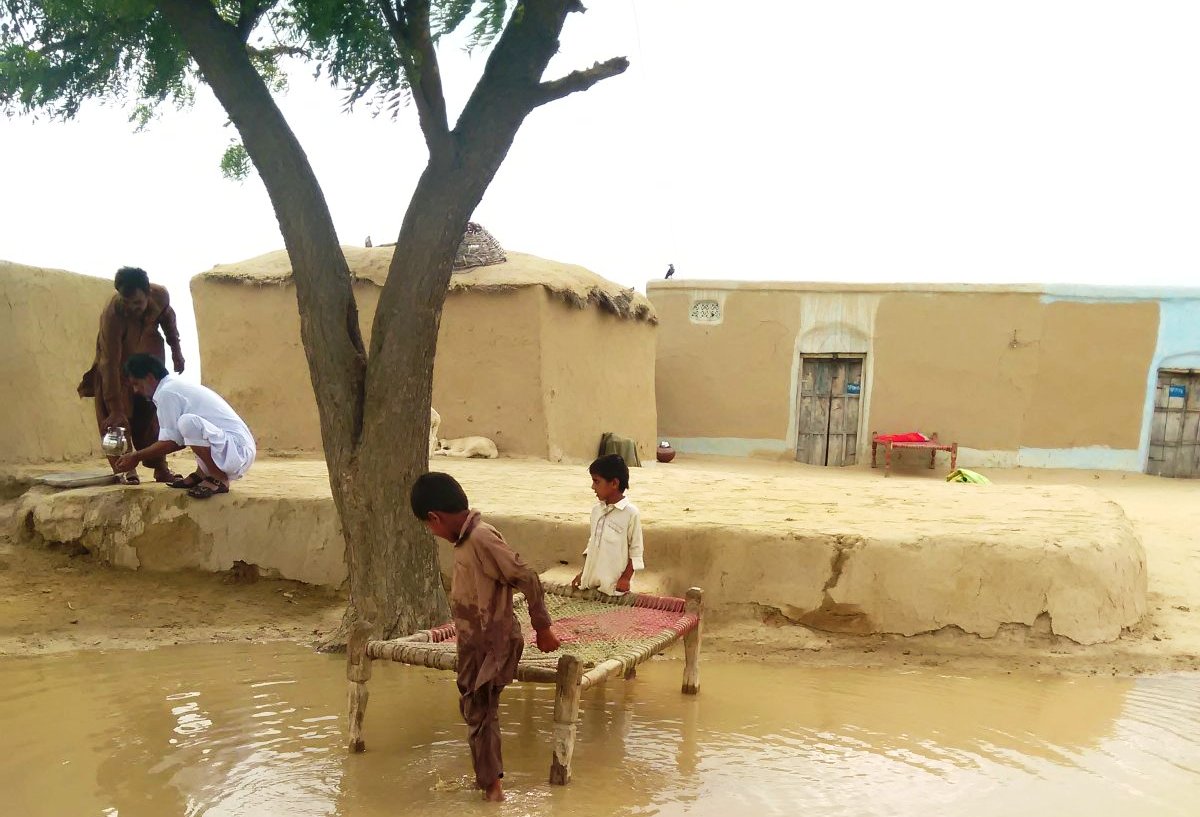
838	550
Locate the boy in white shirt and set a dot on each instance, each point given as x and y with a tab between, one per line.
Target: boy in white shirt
614	548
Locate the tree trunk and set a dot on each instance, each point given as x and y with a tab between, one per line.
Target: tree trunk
394	577
375	411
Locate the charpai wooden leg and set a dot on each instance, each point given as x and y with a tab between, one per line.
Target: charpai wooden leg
932	458
953	456
887	459
358	672
874	446
691	643
566	713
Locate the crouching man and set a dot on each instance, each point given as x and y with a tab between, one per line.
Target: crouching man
191	416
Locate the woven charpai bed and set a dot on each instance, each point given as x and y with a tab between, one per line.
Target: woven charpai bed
600	635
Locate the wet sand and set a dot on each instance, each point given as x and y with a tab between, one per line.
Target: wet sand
91	606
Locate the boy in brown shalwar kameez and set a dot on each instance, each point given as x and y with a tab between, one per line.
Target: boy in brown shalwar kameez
486	571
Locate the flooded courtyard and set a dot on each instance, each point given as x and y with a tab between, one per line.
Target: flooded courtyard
240	730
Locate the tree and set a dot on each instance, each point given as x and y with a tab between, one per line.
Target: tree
373	403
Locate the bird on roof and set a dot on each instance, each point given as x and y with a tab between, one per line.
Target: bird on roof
670	270
368	241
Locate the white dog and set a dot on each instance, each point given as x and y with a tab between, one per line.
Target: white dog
467	447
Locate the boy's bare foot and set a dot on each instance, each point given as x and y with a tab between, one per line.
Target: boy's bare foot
494	793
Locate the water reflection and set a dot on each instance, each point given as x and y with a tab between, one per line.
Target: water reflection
258	730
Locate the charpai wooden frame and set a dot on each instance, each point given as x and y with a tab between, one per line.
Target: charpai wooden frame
932	445
568	673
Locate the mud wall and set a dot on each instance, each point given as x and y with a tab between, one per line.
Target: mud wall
1059	552
729	379
1001	372
48	331
487	376
597	376
1015	377
517	365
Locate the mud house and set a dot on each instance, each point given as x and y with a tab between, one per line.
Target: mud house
49	335
1035	376
540	356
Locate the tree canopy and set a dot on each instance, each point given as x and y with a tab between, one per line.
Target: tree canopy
57	54
373	403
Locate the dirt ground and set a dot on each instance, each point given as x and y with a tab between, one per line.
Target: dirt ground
52	600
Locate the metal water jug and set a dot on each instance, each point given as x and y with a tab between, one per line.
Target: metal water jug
115	441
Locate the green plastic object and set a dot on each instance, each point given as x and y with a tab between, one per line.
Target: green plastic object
966	475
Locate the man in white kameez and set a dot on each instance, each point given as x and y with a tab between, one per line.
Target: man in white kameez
196	417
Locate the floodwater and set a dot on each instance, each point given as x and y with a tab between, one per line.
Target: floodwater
239	730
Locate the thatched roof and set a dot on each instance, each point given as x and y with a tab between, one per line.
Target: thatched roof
477	249
571	283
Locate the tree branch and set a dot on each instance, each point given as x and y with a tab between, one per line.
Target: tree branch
279	51
252	11
511	85
409	26
579	80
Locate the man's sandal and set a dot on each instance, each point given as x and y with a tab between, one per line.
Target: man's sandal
190	481
208	488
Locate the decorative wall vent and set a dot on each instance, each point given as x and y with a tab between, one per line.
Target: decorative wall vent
706	312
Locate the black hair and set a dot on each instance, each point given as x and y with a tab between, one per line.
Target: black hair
439	492
130	279
611	466
141	365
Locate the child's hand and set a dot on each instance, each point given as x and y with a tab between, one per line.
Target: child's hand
626	578
575	582
546	640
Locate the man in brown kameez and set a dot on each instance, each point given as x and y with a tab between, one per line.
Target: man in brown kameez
486	571
130	325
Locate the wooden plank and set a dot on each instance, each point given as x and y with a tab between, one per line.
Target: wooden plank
852	418
1193	393
1158	427
1173	433
691	643
1191	428
836	451
1185	462
566	713
1160	398
1170	461
812	439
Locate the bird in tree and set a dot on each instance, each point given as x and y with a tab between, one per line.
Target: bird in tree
373	400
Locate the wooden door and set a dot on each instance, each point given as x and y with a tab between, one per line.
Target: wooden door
1175	427
843	412
830	394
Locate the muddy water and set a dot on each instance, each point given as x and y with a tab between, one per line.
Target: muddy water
258	730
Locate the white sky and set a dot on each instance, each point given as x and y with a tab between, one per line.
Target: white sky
1052	141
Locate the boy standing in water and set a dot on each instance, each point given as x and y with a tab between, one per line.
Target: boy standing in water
486	571
614	548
